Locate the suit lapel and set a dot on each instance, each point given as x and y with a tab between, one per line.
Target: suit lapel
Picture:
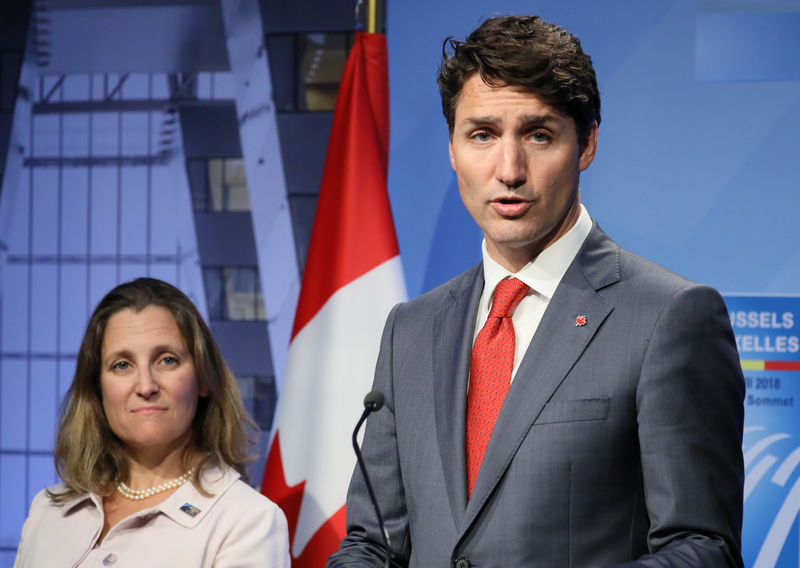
452	344
554	349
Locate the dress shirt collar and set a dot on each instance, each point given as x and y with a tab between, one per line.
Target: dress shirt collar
543	273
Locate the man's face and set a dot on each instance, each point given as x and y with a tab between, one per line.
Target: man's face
518	162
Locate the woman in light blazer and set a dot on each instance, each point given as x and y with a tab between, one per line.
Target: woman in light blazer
151	446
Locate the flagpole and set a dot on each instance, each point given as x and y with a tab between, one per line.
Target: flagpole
371	10
374	15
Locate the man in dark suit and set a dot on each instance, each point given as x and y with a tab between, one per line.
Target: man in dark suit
565	402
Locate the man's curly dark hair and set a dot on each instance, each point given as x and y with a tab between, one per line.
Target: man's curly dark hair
527	52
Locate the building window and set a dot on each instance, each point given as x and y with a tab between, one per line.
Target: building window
307	68
228	185
260	397
233	293
218	184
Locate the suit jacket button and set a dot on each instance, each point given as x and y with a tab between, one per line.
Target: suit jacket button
462	563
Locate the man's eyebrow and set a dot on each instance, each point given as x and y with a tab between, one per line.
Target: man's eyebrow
525	119
537	119
479	120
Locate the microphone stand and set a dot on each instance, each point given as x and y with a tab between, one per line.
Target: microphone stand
372	402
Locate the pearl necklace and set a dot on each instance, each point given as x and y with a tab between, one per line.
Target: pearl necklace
139	494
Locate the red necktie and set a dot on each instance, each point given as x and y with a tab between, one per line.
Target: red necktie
490	372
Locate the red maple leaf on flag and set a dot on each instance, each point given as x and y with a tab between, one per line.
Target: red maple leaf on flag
327	537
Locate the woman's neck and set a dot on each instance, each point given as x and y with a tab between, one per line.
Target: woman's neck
146	469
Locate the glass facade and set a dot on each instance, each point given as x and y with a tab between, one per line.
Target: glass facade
102	198
109	192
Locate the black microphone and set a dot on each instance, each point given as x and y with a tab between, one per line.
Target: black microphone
372	402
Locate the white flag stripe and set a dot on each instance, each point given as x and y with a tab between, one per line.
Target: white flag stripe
330	368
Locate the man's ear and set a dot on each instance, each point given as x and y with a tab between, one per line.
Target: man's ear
588	148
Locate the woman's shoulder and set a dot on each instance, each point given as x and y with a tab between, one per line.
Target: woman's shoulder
44	511
231	491
241	492
43	500
247	526
42	504
54	523
240	510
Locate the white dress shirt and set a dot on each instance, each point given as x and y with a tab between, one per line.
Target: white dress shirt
543	274
235	527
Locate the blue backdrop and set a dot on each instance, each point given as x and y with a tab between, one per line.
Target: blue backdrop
697	161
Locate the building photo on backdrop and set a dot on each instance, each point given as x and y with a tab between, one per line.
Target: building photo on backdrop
285	165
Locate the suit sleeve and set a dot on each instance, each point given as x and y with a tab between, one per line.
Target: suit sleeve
690	420
363	545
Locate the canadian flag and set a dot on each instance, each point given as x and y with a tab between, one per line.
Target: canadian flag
352	278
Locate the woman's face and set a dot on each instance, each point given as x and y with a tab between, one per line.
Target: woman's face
148	382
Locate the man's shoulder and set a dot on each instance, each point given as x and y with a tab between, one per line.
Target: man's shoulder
635	265
649	286
630	266
464	283
626	278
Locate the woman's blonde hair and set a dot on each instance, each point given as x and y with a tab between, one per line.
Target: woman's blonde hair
90	458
